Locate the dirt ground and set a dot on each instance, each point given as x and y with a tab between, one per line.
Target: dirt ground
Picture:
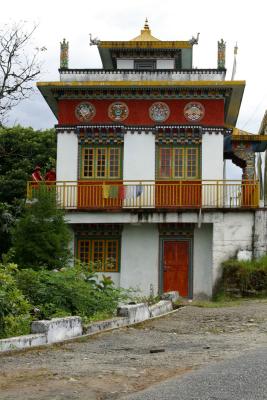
113	364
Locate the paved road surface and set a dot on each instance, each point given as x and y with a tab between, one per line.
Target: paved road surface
112	365
242	378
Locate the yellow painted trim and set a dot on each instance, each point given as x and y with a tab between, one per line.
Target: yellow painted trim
151	44
141	83
249	138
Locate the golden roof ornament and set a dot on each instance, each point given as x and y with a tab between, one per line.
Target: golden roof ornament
145	35
146	26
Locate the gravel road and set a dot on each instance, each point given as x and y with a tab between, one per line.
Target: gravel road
114	364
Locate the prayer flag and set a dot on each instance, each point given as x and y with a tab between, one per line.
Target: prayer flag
106	189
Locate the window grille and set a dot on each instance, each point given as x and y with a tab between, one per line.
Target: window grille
101	163
101	255
145	64
178	163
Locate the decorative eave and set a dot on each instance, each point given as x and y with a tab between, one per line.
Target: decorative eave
239	135
119	128
184	44
232	90
238	138
107	48
249	138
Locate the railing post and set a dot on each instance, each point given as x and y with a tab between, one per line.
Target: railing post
64	194
258	194
217	193
29	190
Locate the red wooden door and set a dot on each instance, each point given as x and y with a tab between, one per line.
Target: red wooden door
176	266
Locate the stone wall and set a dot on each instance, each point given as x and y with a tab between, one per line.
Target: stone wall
260	233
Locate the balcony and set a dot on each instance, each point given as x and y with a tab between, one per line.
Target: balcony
131	195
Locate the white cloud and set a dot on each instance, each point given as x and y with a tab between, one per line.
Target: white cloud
233	21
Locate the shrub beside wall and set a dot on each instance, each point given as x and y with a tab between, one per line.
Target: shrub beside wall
245	278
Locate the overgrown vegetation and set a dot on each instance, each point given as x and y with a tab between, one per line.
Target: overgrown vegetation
28	294
70	291
41	236
243	278
15	315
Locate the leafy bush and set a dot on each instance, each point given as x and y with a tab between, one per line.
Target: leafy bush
14	308
245	277
69	291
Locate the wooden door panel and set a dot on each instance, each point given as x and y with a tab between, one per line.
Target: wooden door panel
176	266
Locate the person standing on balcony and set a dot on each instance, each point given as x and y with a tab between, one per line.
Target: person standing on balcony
36	175
50	176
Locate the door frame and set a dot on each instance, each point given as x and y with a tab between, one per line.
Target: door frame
190	266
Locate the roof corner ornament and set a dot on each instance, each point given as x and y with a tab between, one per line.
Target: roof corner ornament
94	41
221	54
194	40
64	54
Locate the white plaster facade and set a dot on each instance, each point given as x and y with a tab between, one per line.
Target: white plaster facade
212	156
139	156
139	257
67	157
218	235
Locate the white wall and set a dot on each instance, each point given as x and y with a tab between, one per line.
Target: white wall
165	64
67	156
212	156
202	261
139	257
125	64
232	231
139	156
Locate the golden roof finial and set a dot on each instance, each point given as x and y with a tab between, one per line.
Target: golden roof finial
146	26
145	35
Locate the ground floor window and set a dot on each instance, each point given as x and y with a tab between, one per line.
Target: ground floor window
100	254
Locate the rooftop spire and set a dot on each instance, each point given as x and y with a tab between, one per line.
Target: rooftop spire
145	35
146	26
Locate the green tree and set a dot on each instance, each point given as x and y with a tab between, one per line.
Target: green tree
20	150
41	236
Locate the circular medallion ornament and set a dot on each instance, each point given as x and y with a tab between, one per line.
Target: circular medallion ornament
85	111
159	111
194	111
118	111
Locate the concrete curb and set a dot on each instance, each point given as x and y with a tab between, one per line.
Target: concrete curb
60	330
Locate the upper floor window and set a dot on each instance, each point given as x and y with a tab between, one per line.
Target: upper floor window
101	163
178	163
145	64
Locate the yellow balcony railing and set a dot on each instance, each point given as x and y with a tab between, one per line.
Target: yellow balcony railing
84	195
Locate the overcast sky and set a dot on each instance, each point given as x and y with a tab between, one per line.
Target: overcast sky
234	21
